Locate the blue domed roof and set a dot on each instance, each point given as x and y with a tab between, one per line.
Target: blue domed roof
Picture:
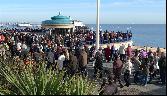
59	19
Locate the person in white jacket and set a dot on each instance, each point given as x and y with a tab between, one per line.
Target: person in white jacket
156	59
60	61
127	72
122	52
19	49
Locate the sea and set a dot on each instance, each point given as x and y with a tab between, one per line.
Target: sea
152	35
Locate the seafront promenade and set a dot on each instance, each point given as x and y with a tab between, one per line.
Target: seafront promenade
155	88
117	45
151	89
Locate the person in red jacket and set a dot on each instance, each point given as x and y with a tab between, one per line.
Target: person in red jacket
129	51
2	38
117	70
107	53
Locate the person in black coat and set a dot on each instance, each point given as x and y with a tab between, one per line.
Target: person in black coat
50	58
87	51
162	67
98	64
110	88
73	64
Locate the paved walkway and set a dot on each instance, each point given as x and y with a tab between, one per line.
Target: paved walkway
151	89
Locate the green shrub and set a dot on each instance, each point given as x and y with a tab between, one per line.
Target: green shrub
42	82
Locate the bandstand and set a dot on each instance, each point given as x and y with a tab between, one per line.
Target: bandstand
59	25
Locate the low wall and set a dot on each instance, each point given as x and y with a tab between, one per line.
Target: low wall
117	45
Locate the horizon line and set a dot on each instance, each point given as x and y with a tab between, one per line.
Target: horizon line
135	23
86	23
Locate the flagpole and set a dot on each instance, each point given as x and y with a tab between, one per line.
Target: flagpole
97	22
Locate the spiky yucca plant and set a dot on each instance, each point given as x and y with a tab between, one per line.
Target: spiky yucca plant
42	82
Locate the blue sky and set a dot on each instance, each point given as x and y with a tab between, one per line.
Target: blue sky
111	12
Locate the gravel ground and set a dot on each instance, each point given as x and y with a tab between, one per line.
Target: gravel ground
150	89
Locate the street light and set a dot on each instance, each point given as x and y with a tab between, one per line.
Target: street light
97	30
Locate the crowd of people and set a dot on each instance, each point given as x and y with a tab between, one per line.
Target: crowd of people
106	36
88	36
70	53
24	29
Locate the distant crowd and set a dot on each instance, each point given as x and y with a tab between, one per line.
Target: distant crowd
88	36
11	30
70	52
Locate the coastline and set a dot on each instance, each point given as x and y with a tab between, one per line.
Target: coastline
153	49
117	45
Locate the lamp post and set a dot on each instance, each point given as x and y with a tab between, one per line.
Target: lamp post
97	22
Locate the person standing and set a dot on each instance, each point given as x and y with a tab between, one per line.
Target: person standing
107	53
145	71
87	51
37	56
24	50
127	72
98	64
50	58
60	61
113	52
156	66
117	70
92	49
129	51
110	88
18	53
151	66
136	64
122	52
162	67
66	61
73	63
83	62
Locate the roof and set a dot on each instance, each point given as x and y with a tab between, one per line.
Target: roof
59	19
